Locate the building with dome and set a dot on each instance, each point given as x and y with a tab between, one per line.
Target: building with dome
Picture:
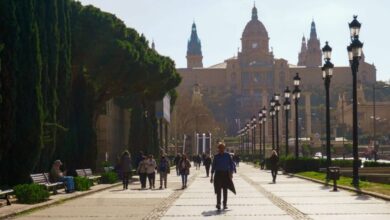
240	86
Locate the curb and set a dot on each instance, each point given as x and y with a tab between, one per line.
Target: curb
359	191
55	202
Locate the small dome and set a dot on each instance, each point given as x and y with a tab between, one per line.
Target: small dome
254	28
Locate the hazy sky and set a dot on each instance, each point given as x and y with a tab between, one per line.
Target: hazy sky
220	24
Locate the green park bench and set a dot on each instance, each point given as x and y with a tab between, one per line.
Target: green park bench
5	194
43	179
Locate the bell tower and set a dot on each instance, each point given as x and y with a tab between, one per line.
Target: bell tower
194	50
302	55
314	55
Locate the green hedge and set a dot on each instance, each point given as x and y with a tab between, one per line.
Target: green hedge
375	164
292	165
109	177
31	193
82	183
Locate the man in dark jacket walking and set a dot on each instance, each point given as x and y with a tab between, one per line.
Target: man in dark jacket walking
207	164
222	169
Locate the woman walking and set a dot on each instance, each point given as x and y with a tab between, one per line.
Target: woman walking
141	170
163	170
125	163
274	160
150	170
184	170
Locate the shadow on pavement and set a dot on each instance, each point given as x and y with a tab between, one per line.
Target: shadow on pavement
214	212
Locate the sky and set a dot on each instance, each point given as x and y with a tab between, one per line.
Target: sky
220	24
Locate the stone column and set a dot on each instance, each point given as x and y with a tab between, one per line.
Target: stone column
308	113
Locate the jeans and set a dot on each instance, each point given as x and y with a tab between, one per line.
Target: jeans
69	183
274	172
142	179
207	170
184	179
163	178
225	195
125	179
151	178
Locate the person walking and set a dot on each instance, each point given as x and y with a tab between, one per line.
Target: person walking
126	168
150	170
163	169
198	161
207	164
185	166
274	160
176	161
141	170
222	174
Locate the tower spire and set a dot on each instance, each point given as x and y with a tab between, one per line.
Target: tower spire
194	49
313	31
254	12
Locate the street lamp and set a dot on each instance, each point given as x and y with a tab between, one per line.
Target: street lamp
264	111
253	134
296	96
272	114
260	119
277	109
327	72
354	55
286	105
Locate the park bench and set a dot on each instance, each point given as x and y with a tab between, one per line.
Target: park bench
43	179
88	174
5	195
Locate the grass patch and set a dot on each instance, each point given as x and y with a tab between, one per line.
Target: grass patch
347	181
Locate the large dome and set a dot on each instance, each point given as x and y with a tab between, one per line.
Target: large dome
254	28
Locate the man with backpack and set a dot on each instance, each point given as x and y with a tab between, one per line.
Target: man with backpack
163	169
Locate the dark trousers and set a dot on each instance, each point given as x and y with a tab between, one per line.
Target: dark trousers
142	179
225	196
125	179
207	169
274	172
151	178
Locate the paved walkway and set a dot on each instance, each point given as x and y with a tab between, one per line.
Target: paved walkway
257	198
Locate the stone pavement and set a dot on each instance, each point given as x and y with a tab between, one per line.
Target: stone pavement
257	198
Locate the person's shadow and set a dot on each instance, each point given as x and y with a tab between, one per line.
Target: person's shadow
214	212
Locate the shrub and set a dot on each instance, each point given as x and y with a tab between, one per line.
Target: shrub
375	164
109	177
31	193
82	183
342	163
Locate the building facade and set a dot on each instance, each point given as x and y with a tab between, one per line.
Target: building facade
254	75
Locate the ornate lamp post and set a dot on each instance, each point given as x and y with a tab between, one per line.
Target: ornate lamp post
296	96
277	109
264	111
272	114
253	135
354	54
286	105
260	119
327	72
